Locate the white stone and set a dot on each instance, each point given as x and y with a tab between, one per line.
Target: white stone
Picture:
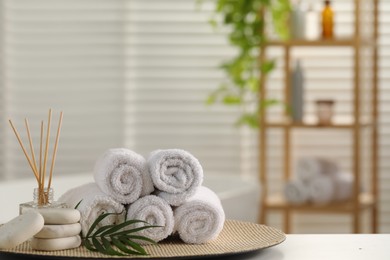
20	229
60	216
53	244
59	231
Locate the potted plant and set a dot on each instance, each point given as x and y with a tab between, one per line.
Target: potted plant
247	20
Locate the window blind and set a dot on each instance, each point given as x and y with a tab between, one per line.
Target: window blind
172	63
64	55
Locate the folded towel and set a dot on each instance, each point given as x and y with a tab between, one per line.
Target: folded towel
322	189
155	211
296	192
201	218
311	167
344	186
176	174
93	203
123	174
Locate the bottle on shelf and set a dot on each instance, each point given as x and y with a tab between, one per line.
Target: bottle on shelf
327	21
297	92
297	21
312	24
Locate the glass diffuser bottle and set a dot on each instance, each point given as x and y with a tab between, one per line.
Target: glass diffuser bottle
41	199
327	21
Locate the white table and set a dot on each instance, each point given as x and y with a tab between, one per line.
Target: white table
312	247
327	247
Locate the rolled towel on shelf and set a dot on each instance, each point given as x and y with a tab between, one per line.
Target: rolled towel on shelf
176	174
296	192
322	189
123	175
201	218
155	211
92	203
309	168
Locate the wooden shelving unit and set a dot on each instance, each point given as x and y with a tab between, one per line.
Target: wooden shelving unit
360	201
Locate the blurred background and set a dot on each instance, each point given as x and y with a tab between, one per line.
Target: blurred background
137	73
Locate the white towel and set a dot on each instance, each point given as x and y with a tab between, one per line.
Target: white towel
296	192
123	174
322	189
344	186
155	211
93	203
176	174
309	168
201	218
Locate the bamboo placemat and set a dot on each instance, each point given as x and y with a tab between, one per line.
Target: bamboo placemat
236	237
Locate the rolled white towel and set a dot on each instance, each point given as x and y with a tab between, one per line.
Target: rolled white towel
322	189
296	192
309	168
201	218
344	186
123	174
155	211
176	174
93	203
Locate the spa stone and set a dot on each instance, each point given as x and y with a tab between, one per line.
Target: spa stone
55	243
20	229
60	216
59	231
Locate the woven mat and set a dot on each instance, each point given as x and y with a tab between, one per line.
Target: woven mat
236	237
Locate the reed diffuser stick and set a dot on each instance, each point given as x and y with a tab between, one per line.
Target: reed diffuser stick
24	150
40	155
53	159
31	145
46	149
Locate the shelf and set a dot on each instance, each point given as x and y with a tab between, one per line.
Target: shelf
278	202
343	123
363	37
342	42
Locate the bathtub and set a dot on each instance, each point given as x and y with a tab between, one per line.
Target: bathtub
240	196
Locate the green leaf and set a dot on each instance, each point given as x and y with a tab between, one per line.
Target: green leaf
267	66
89	246
252	120
269	102
211	99
122	244
102	229
78	204
96	222
121	226
129	231
232	100
108	248
104	238
213	23
97	245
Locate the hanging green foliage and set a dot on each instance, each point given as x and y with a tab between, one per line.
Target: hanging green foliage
246	21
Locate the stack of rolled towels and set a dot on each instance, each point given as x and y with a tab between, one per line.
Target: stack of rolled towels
320	181
164	190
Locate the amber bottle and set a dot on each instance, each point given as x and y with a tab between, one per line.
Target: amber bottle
327	21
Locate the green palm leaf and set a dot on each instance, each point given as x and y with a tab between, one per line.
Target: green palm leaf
115	240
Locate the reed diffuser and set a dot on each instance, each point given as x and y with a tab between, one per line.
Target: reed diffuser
43	194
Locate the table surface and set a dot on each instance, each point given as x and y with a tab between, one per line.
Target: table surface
318	247
326	246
